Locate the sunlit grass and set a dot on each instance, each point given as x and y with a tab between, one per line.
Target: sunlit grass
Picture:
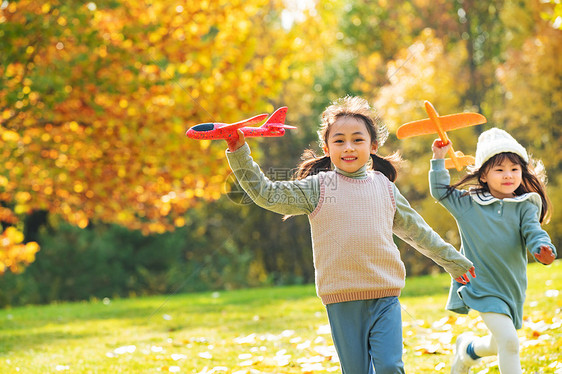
274	330
431	333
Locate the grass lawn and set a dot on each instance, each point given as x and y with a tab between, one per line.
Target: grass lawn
273	330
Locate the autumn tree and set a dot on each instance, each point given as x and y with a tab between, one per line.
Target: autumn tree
460	56
95	98
504	66
532	106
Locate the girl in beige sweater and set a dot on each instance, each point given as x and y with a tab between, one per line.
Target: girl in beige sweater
353	209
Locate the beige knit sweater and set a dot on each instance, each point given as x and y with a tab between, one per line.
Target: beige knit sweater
354	252
355	257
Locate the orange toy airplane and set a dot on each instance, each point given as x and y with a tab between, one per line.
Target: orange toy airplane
436	124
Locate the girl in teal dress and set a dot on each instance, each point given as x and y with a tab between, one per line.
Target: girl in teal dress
499	219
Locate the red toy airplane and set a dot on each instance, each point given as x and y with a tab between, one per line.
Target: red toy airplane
274	126
436	124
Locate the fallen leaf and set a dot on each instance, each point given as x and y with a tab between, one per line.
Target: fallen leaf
324	330
439	366
206	355
218	369
250	339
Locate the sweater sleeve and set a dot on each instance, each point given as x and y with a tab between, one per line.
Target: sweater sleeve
531	230
439	179
411	227
284	197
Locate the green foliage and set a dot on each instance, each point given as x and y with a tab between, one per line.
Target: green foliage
112	261
223	246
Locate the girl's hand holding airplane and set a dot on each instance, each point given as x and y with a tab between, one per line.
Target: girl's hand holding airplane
439	149
236	142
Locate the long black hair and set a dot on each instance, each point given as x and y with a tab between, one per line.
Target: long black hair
533	179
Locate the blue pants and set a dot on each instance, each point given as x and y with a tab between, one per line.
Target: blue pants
367	335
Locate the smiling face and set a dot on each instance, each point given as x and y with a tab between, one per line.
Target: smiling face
349	144
503	178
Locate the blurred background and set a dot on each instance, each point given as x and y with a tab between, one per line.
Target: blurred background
101	193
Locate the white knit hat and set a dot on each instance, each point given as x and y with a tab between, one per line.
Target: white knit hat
494	141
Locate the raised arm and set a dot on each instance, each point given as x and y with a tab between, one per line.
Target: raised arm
284	197
438	175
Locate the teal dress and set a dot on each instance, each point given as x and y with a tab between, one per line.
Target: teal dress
495	235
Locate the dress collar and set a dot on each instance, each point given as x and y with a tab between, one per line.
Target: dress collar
486	198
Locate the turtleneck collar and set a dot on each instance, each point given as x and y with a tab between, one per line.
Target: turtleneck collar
361	173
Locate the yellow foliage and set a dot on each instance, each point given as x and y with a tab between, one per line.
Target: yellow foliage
77	143
12	235
422	72
10	136
14	254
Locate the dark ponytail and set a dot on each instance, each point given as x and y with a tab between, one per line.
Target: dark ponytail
312	164
387	165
